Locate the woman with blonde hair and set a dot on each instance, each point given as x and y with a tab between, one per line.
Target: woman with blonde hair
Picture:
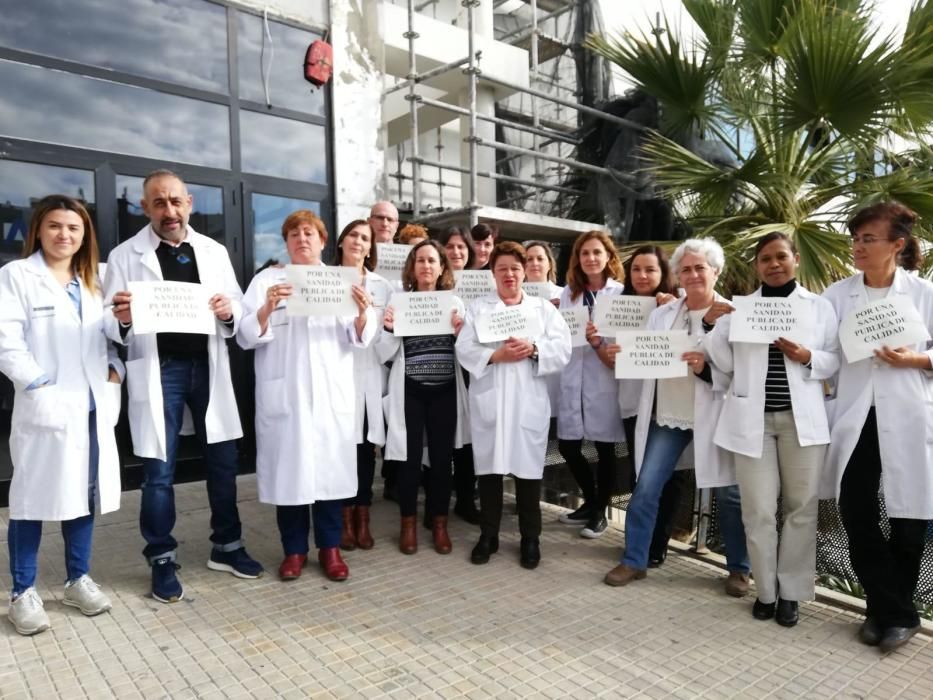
66	376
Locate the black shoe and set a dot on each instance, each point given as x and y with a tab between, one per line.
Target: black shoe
485	547
581	516
468	512
762	611
530	552
655	560
895	637
595	527
870	632
786	614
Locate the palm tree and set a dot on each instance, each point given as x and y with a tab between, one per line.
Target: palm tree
812	105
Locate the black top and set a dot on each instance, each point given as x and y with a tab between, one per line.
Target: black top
777	390
179	265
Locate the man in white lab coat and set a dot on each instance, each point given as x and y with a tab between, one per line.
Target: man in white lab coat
168	371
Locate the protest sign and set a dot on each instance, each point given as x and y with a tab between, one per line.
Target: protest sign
893	321
614	313
390	260
542	290
422	313
509	322
473	284
765	319
576	318
171	307
652	354
321	291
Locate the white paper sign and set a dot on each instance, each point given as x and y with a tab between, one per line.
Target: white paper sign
576	318
390	259
321	291
171	307
652	354
765	319
473	284
541	290
894	322
621	313
510	322
423	313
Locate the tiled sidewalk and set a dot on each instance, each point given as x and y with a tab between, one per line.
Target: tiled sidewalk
429	625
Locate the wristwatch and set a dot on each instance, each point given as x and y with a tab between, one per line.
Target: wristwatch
534	352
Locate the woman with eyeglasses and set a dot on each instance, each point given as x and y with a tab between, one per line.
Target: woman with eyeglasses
882	427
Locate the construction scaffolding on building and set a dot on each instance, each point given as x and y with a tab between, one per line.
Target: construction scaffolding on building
527	173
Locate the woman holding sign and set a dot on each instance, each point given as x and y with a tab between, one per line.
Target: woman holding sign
648	274
882	421
673	413
306	411
588	408
774	422
355	249
426	400
509	405
53	349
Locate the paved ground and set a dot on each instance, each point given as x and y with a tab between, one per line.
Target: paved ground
430	625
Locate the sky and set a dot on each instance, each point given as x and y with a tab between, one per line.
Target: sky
639	15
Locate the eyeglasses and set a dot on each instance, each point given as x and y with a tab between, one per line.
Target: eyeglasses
866	240
382	217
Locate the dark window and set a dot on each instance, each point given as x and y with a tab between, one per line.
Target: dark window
72	110
276	62
207	213
268	214
283	147
179	41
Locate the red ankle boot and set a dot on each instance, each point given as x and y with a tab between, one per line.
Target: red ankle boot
334	566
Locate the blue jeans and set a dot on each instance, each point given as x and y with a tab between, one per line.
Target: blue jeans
662	450
187	381
295	525
24	535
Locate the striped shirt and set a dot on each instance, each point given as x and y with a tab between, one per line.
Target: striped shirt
777	390
429	359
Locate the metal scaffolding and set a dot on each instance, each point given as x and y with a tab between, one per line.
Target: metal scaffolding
543	132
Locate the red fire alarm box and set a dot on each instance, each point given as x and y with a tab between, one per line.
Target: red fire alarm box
319	63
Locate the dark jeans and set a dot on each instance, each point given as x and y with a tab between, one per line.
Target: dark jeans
295	525
670	496
23	536
888	569
431	410
598	492
187	381
365	470
528	500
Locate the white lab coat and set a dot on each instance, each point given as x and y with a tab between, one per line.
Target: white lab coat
135	260
742	421
713	465
42	334
553	380
509	406
305	399
588	406
370	375
389	348
903	406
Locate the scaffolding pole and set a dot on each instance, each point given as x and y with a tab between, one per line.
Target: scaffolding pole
472	71
427	75
494	176
509	148
411	35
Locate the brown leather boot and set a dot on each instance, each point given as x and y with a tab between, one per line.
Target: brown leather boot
442	543
347	535
408	539
364	539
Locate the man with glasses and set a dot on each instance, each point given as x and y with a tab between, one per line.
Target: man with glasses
383	220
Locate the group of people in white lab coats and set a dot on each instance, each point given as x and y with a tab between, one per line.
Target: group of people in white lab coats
765	422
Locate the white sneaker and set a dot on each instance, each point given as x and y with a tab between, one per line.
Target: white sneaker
86	595
28	614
